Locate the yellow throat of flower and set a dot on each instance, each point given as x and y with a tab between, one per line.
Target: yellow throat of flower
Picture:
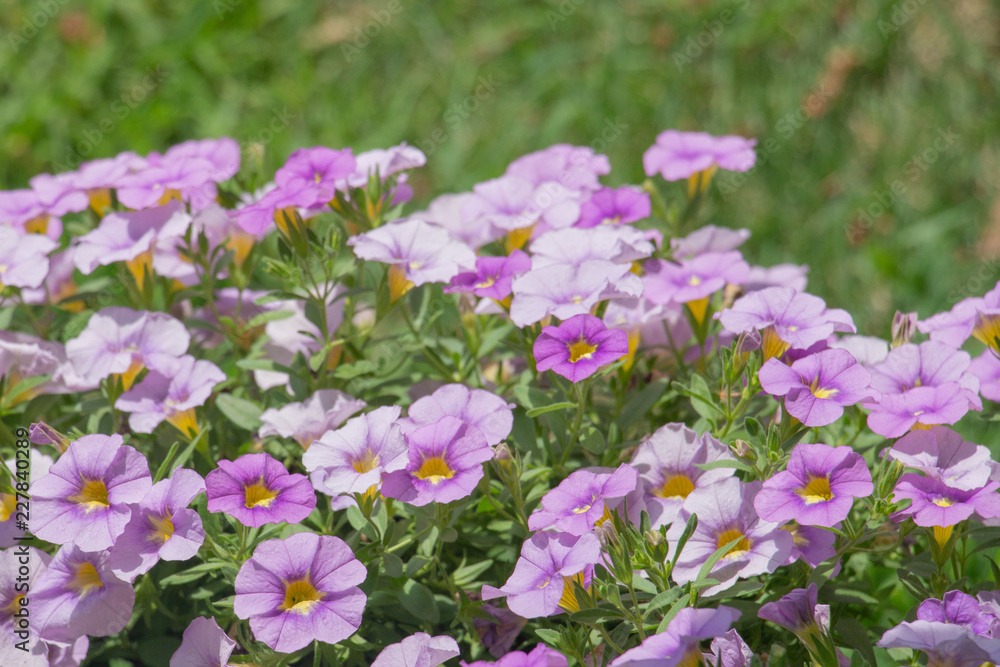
675	486
816	490
93	495
366	462
821	393
581	349
771	345
568	600
163	528
86	579
300	596
728	536
434	469
259	495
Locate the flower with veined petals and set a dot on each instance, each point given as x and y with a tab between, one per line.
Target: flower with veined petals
937	504
88	495
578	347
942	454
171	397
543	578
301	589
540	656
307	421
492	278
579	503
353	458
946	644
480	408
445	463
817	488
161	527
696	155
256	489
24	259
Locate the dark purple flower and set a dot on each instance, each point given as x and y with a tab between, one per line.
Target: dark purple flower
578	347
256	489
610	206
816	388
493	276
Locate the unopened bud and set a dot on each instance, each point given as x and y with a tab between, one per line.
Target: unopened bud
741	448
904	325
364	320
43	434
502	455
607	534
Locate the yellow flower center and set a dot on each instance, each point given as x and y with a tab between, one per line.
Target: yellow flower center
941	501
568	600
694	281
604	517
366	463
581	349
93	495
489	281
300	596
434	469
8	503
816	490
821	393
139	266
698	181
163	528
728	536
676	486
85	579
258	494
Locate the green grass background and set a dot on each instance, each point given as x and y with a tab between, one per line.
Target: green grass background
847	93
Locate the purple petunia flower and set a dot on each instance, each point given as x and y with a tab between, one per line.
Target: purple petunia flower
39	465
679	155
205	644
320	167
418	650
161	527
579	503
680	643
942	454
123	341
812	545
11	602
301	589
445	463
493	276
24	259
387	162
693	281
958	608
725	513
937	504
578	347
256	489
543	577
779	275
946	644
708	239
573	167
574	246
867	350
23	356
668	471
353	458
276	205
785	318
476	407
79	595
925	384
172	397
295	335
817	488
447	211
563	291
610	206
978	317
540	656
816	388
87	497
307	421
498	627
417	252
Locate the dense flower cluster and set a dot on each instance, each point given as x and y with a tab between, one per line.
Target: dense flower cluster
545	397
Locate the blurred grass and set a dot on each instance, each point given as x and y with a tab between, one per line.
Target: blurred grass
845	96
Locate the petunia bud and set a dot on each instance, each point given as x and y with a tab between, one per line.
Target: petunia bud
43	434
904	325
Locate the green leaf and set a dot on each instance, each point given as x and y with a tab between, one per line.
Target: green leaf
162	470
535	412
726	463
716	557
393	564
664	598
689	528
590	616
240	411
355	369
852	633
419	601
267	316
641	403
550	637
466	575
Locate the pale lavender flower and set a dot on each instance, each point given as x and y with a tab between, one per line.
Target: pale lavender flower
609	206
680	643
418	650
725	513
867	350
779	275
353	458
320	167
581	501
694	280
256	489
540	656
573	167
125	341
564	291
24	356
937	504
305	422
667	462
978	317
387	162
295	335
86	499
946	644
942	454
816	388
986	367
39	465
476	407
543	578
729	650
678	155
447	211
574	246
161	527
708	239
172	397
204	644
24	260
